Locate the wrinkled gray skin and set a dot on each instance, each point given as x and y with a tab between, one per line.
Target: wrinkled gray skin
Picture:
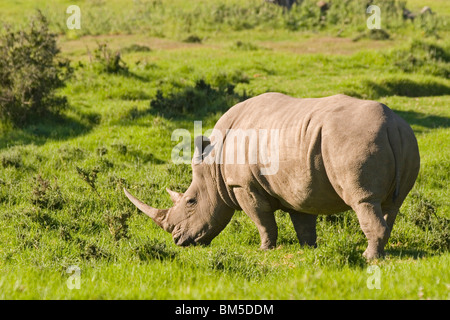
335	153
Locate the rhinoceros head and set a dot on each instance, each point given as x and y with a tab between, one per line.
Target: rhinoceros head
199	214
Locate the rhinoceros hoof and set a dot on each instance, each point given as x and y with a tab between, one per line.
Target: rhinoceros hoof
371	254
267	246
311	244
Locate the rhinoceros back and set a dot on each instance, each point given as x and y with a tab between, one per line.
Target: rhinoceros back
324	152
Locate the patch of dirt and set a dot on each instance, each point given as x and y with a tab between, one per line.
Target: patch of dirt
326	45
309	45
120	41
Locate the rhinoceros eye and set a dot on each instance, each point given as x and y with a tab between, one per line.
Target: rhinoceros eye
191	201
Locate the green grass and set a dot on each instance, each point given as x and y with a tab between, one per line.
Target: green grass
61	178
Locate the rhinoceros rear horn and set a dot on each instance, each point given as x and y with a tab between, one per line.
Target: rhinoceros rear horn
157	215
175	196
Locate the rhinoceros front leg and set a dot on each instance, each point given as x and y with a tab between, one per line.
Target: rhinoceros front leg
305	227
258	208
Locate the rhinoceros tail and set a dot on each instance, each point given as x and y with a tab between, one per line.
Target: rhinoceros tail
396	147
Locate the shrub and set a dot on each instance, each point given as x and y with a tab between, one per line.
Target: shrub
106	60
202	98
90	177
118	224
193	39
45	195
245	46
30	72
135	48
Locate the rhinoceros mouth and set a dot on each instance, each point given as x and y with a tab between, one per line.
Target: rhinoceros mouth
203	238
185	240
184	243
181	239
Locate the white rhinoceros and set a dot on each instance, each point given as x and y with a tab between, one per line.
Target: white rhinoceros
330	154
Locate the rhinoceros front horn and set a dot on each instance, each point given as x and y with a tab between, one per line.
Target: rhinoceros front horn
158	215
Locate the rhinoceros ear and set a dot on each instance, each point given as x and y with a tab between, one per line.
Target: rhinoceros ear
175	196
202	148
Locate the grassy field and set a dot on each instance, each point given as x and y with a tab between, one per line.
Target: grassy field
61	177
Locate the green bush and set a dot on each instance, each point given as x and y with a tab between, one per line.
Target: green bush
46	195
105	60
202	98
135	48
193	39
244	46
30	72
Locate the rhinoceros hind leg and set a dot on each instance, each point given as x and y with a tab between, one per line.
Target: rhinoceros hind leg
305	227
259	210
374	226
389	215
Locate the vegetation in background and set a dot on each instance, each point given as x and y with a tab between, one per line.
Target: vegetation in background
158	18
30	72
200	99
